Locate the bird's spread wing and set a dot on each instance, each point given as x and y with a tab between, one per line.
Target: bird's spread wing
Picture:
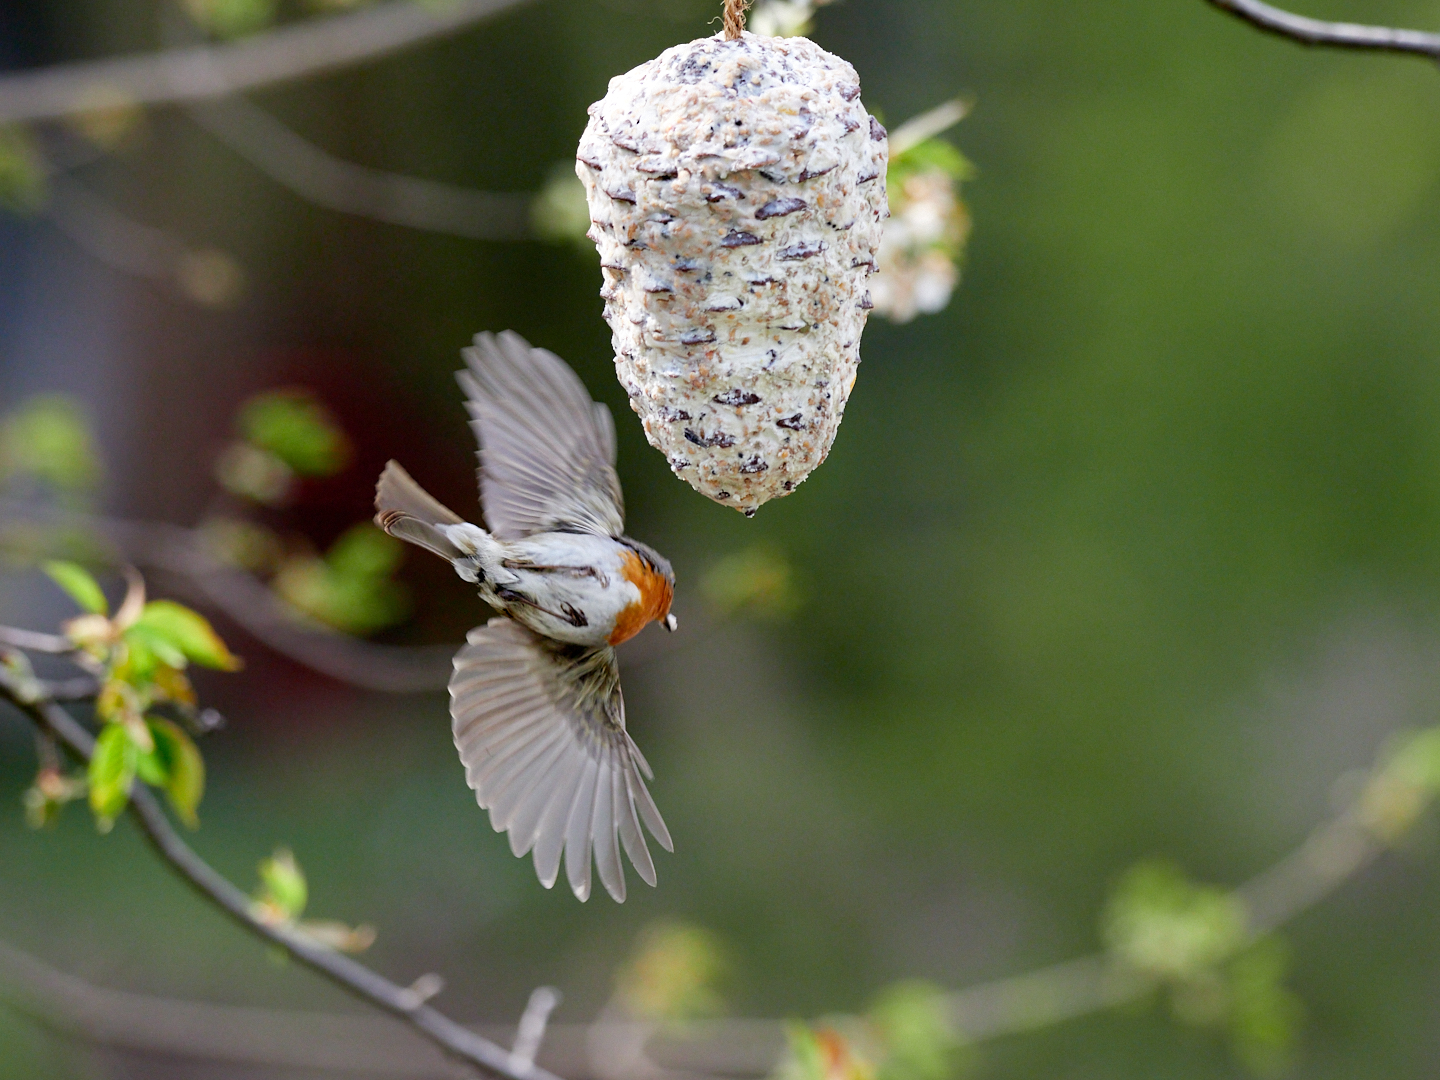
541	731
547	452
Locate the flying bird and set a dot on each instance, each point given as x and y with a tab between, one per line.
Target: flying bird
535	700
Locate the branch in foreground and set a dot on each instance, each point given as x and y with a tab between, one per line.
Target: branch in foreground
345	972
616	1046
1333	34
211	71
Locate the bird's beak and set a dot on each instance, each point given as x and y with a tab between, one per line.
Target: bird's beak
671	623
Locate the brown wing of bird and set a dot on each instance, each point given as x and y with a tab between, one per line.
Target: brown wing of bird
547	452
540	727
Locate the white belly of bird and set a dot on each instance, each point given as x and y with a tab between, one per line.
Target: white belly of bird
574	585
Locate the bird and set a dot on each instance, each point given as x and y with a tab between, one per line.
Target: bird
535	702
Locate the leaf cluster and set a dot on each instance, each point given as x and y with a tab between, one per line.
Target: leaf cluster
1193	941
140	655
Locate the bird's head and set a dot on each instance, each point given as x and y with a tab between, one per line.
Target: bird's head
657	584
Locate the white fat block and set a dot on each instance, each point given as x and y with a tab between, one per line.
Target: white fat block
737	199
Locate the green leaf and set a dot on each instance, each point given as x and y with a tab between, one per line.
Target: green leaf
22	171
928	155
49	439
282	884
914	1026
672	974
232	18
79	585
350	589
560	213
182	766
297	429
1160	922
1265	1017
176	634
758	580
111	773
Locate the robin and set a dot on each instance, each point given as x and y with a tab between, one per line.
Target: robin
535	699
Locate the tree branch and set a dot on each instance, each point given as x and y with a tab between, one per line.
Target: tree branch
177	550
331	182
1333	34
210	71
345	972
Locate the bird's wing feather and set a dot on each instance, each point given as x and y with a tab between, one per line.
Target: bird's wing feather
541	731
547	452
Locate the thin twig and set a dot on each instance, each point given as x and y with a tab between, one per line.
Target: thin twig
211	71
531	1031
114	238
331	182
1338	35
32	641
345	972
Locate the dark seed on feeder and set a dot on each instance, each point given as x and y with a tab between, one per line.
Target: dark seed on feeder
736	396
737	238
780	207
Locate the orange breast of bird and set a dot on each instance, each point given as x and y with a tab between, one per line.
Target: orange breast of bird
654	602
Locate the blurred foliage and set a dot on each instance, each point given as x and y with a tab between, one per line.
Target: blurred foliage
821	1053
1404	783
297	429
672	974
917	1040
47	440
22	171
284	435
112	120
783	18
1193	940
924	240
283	893
231	18
1163	924
242	544
756	580
352	588
211	277
559	212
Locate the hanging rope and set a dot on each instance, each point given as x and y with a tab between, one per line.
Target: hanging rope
735	18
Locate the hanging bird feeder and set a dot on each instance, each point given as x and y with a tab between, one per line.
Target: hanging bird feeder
736	188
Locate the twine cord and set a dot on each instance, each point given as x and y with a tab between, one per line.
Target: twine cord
735	18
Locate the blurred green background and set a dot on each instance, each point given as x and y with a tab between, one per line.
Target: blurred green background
1131	551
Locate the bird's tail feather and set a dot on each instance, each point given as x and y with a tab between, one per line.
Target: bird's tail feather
407	511
404	527
397	490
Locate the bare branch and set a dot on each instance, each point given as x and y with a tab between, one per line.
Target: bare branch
211	71
325	180
345	972
32	641
1334	34
531	1032
115	239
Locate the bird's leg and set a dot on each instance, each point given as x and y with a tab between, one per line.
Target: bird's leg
567	613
